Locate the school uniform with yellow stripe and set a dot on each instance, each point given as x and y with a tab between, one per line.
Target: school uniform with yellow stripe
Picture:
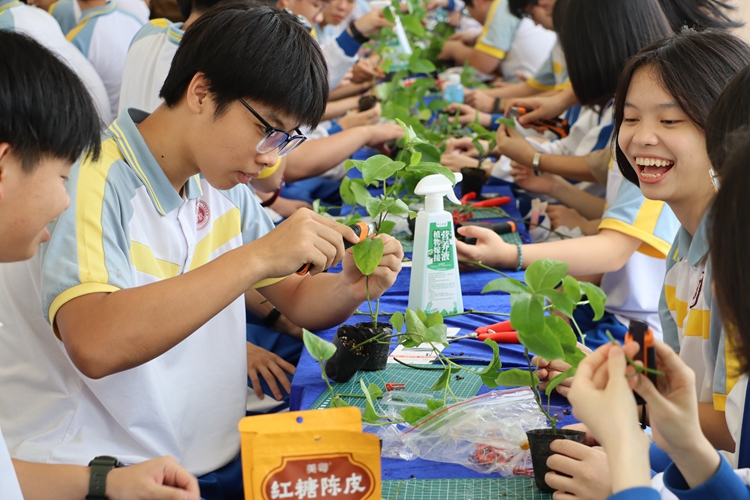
553	75
690	317
518	44
127	227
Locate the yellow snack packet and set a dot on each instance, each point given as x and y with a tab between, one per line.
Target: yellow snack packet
310	454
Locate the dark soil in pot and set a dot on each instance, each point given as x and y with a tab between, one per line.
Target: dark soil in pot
344	363
378	351
367	102
539	441
473	180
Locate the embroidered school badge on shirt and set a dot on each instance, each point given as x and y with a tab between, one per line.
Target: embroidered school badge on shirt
202	214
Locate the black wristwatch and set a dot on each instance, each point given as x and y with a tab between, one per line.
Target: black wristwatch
357	35
100	467
271	317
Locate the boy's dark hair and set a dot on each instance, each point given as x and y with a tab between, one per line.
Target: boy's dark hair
615	30
698	14
730	113
45	110
729	240
518	7
189	6
693	68
261	54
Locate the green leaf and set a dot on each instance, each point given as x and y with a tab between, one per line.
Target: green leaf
375	391
388	15
367	255
434	404
383	91
558	379
397	321
508	285
414	323
437	105
445	378
425	169
411	340
508	122
573	355
527	314
386	227
318	348
413	414
489	374
369	415
438	334
376	206
360	192
545	273
429	153
416	157
596	297
425	114
559	301
380	168
386	66
517	378
434	319
398	208
413	24
572	288
345	191
350	164
337	402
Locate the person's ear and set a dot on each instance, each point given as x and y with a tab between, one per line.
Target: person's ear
197	94
283	4
4	159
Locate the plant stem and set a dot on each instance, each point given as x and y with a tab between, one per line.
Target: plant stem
369	302
469	311
537	395
325	379
483	266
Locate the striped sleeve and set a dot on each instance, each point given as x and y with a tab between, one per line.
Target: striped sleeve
499	30
650	221
88	251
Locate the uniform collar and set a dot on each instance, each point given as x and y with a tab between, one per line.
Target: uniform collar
695	248
139	158
7	4
175	32
89	14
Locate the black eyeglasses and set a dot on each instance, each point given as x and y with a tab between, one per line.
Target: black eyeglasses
275	138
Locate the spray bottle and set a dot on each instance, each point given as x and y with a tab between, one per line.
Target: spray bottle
454	91
435	283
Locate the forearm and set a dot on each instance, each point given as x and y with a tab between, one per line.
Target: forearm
570	167
521	89
714	427
591	228
109	333
485	63
257	304
315	157
315	302
697	463
348	90
588	205
334	109
628	463
605	252
45	481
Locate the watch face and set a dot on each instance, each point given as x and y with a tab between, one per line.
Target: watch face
106	460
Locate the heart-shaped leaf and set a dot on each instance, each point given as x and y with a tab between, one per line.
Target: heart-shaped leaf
517	378
413	414
544	274
318	348
380	168
508	285
367	255
596	297
489	374
397	321
572	288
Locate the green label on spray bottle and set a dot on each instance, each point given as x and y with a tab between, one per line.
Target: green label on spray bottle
440	247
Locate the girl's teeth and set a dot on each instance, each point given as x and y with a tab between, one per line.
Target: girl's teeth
650	176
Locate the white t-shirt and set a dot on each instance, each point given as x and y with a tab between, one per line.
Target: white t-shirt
68	12
734	413
16	16
9	487
147	64
103	35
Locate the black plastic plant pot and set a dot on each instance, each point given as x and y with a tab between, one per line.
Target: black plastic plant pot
344	363
473	181
539	441
379	351
367	102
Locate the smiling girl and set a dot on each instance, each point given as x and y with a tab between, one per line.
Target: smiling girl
664	97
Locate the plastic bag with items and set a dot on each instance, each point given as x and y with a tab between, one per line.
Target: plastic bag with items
486	433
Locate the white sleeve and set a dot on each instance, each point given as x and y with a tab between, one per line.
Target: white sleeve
338	63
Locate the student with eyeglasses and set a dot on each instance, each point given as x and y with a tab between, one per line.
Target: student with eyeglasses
144	277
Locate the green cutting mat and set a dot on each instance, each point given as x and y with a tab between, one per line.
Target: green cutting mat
463	489
418	381
407	240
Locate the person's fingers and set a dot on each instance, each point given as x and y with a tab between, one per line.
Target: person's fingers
539	362
563	495
280	375
568	448
466	252
255	382
480	233
563	390
559	482
270	381
176	476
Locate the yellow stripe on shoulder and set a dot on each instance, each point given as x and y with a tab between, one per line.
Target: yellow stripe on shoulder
160	23
266	282
720	402
52	8
72	33
74	293
144	261
89	203
225	228
652	245
534	84
496	53
669	295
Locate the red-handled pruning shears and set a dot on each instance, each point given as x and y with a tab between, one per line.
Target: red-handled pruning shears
490	202
499	332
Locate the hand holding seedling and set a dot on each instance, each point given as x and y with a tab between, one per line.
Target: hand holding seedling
384	271
525	178
304	237
489	249
512	144
673	416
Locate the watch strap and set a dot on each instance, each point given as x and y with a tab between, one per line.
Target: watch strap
271	317
100	467
357	35
535	164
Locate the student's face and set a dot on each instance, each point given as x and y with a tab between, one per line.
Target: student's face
28	203
227	153
312	10
666	150
42	4
541	17
337	11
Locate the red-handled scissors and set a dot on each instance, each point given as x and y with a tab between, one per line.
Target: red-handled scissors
499	332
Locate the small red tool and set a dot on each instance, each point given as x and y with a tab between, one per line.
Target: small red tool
394	386
558	126
499	332
492	202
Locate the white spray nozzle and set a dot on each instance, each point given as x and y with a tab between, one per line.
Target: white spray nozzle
433	188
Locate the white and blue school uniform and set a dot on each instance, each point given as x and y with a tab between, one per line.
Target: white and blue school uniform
9	487
103	35
68	12
553	74
147	64
39	25
518	45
